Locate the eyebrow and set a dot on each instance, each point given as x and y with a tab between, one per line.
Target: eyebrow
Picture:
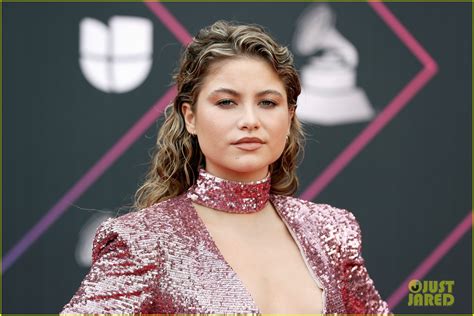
236	94
269	91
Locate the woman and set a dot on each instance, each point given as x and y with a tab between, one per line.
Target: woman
217	230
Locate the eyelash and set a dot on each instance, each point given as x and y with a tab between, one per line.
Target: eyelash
270	103
226	103
221	102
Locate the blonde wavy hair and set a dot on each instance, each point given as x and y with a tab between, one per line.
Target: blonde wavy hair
178	157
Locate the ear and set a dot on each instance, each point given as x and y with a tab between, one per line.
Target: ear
291	111
189	117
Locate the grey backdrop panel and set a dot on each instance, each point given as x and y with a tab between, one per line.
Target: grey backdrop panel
409	187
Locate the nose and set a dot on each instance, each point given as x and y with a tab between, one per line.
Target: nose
249	118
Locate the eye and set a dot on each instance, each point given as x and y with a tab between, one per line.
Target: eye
226	103
268	103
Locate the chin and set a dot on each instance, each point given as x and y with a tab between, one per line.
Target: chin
249	167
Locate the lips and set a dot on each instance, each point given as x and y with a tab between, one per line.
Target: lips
246	140
249	143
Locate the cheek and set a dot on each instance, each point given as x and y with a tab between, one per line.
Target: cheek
213	129
278	124
280	144
277	130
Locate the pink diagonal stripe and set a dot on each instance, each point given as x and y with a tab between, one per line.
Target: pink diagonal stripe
404	36
345	157
435	256
390	111
88	179
107	160
170	22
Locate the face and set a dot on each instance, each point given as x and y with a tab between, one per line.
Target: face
241	118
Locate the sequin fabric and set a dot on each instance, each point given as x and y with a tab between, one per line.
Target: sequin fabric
162	259
230	196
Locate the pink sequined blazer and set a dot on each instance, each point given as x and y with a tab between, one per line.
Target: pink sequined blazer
163	260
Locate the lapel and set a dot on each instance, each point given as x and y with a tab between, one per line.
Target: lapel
215	280
303	220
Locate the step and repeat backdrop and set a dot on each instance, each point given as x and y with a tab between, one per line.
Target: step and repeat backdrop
386	105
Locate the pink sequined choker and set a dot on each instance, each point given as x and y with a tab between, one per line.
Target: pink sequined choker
230	196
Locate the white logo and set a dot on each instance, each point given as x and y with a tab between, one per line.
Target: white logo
329	94
117	58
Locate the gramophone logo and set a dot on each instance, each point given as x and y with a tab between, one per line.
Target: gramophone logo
329	94
118	57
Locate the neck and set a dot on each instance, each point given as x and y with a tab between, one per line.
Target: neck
235	176
228	195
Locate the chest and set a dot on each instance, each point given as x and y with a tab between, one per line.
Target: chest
215	268
273	270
